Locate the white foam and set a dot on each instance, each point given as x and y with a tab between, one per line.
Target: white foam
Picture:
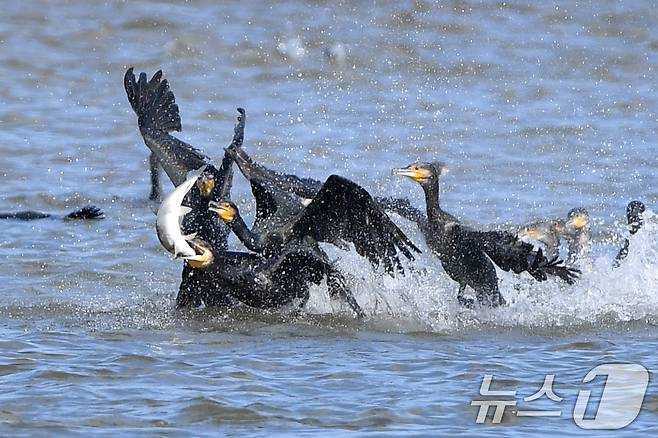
426	298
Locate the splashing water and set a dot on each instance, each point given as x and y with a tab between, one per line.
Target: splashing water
425	298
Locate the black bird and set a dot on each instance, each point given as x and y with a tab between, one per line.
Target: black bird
577	233
157	116
292	208
224	276
467	255
548	233
634	212
88	212
266	282
341	211
292	192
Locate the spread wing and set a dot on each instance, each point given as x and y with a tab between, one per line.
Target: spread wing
510	253
403	207
342	210
302	187
157	116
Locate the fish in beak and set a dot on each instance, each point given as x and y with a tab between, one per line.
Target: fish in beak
203	256
169	218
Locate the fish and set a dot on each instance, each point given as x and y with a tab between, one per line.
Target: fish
169	218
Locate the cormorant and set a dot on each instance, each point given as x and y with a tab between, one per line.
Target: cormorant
634	211
467	255
268	282
575	230
88	212
338	211
578	236
229	275
341	211
158	115
547	233
294	192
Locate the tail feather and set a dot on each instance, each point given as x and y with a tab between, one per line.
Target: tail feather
152	101
89	212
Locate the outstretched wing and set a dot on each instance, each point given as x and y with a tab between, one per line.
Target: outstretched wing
302	187
510	253
403	207
344	210
157	116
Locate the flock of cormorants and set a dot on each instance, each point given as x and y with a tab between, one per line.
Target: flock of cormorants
283	256
293	215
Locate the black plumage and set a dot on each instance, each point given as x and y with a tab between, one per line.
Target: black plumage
291	208
468	255
85	213
634	211
222	277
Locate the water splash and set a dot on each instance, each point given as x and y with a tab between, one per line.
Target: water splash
425	298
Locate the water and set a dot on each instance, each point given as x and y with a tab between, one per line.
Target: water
537	108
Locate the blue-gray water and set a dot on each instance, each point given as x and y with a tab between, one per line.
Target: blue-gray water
536	108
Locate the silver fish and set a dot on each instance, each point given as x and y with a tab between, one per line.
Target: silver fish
170	215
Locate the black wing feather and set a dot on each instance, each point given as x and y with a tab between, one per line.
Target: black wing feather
510	253
157	116
343	210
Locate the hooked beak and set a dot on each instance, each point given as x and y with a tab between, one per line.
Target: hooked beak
203	258
415	173
224	210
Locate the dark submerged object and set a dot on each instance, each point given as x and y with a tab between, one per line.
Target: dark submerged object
634	211
467	255
89	212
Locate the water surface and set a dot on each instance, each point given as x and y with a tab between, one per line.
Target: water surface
535	107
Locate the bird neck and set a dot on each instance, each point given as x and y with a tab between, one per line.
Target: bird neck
433	206
248	238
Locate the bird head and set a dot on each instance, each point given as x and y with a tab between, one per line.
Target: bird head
206	184
577	220
203	257
226	210
423	173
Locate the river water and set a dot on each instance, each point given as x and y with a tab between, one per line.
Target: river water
537	107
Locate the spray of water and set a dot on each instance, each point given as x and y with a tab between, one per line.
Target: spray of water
425	298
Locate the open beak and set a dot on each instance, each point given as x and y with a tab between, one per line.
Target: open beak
203	258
